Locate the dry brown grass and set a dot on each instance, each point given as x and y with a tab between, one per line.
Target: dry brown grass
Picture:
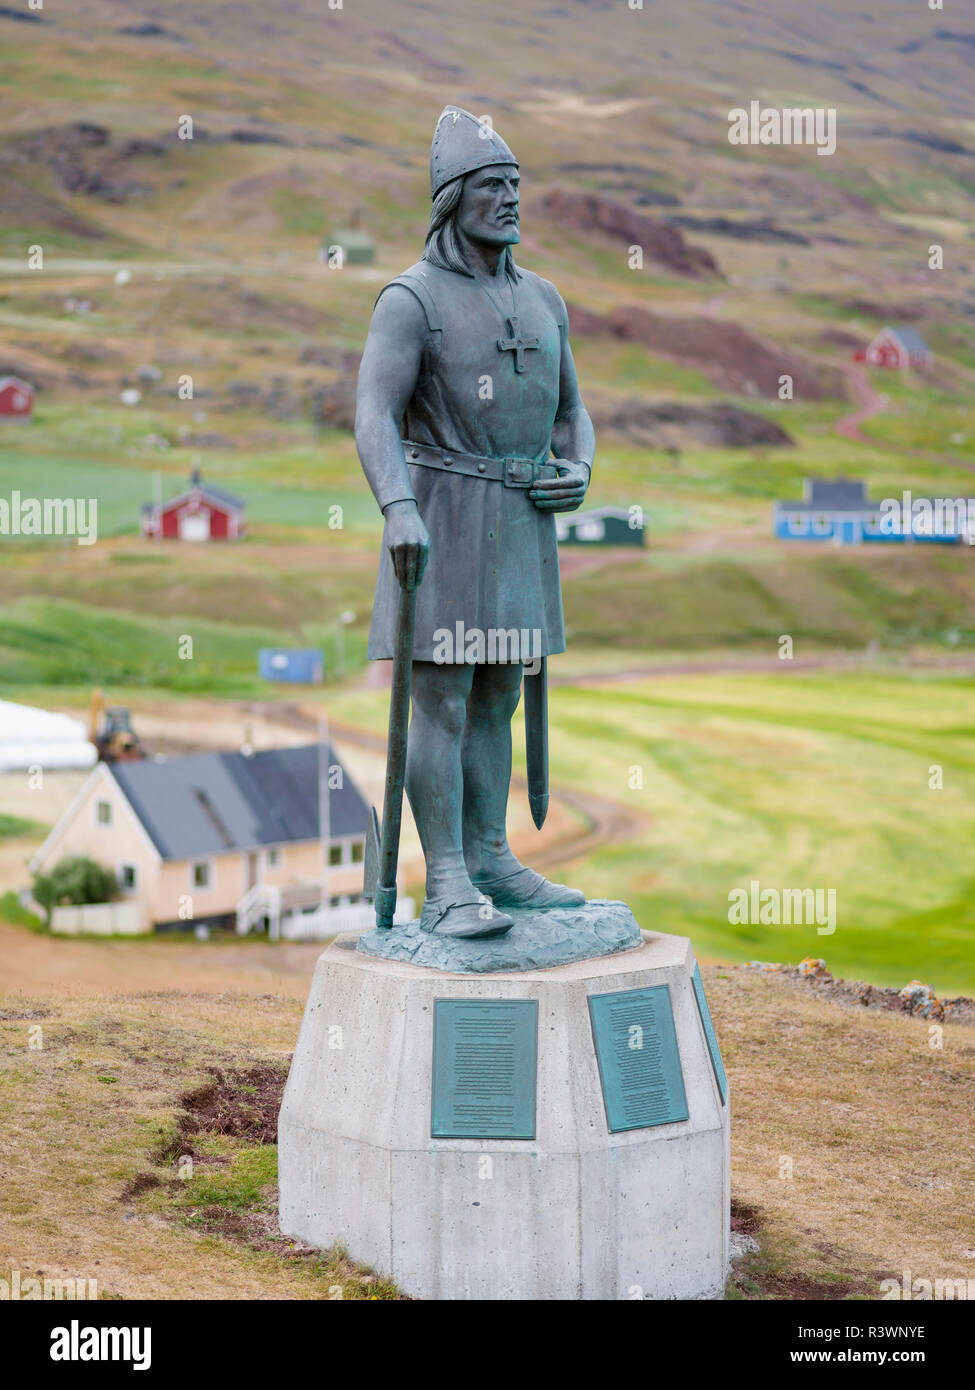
83	1116
876	1122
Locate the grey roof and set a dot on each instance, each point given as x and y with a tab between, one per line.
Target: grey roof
210	494
215	803
207	491
832	495
912	341
220	494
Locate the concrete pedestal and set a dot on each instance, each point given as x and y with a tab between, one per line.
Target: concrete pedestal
577	1212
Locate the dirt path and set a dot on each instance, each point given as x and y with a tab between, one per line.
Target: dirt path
39	967
757	665
868	402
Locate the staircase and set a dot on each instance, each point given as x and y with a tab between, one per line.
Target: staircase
263	900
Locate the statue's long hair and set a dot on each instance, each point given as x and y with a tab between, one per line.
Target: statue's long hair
442	248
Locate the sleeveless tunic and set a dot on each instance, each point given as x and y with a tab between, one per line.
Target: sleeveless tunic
493	562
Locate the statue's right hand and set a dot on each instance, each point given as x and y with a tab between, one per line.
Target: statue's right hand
408	542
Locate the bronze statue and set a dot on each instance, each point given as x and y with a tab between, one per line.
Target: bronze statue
466	387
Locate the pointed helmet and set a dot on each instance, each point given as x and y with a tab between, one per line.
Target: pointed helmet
461	143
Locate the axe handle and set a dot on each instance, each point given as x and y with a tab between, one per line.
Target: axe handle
399	720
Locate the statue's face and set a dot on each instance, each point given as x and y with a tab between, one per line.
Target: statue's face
488	208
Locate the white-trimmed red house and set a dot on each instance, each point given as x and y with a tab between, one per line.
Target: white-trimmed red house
898	349
202	513
16	399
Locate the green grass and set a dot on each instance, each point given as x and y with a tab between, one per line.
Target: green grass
821	598
12	912
924	417
296	486
243	1183
817	781
13	826
50	643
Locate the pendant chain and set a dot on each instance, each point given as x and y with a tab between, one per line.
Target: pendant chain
505	316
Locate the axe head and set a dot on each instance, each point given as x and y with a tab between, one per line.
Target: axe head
370	867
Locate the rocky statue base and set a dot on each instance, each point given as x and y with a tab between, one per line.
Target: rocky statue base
537	941
558	1133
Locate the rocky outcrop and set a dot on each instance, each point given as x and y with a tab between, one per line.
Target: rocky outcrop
681	424
729	355
665	244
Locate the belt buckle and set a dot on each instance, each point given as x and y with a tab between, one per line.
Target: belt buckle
518	472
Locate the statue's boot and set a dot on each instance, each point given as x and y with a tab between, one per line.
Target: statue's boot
523	887
464	917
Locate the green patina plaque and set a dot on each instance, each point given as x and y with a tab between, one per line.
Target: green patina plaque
639	1063
485	1053
710	1035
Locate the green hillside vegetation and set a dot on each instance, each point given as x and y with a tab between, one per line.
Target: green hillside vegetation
307	120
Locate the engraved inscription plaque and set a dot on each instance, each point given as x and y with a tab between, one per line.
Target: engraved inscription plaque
639	1064
484	1064
710	1035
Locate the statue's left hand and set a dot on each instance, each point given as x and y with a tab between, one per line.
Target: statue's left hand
564	493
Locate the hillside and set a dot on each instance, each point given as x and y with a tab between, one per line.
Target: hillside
759	260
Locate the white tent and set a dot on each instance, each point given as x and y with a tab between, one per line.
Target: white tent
32	737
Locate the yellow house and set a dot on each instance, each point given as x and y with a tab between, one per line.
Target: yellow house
218	839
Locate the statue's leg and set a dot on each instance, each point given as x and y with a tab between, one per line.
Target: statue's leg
435	787
486	756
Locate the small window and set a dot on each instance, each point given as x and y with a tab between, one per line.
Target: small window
798	524
104	812
335	854
358	850
273	858
821	524
201	874
335	902
126	877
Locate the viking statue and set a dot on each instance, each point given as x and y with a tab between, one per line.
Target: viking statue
467	389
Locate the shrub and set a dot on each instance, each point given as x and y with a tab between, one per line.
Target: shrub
76	882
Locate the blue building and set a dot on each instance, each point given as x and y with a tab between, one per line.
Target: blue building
297	666
839	511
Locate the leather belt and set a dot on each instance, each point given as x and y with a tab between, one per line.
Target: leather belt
512	472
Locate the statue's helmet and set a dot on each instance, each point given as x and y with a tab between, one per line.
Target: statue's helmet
462	143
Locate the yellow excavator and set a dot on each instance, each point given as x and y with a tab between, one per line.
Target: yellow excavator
110	730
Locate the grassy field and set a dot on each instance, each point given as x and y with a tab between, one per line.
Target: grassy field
817	780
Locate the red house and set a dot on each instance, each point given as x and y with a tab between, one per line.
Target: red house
16	398
203	513
898	348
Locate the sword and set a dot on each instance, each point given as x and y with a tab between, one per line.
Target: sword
382	847
536	741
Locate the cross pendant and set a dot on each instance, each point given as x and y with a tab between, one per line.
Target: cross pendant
517	345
